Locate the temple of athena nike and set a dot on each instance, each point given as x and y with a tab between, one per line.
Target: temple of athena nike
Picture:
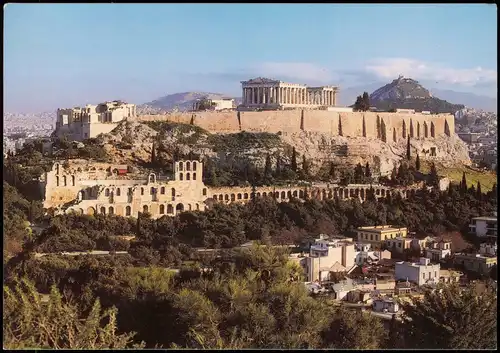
264	93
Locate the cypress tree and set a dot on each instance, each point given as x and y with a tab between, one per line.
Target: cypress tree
294	160
153	154
433	176
463	183
305	165
408	149
478	191
368	172
417	163
267	167
332	171
278	167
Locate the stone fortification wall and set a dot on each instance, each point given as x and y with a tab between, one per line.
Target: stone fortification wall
349	124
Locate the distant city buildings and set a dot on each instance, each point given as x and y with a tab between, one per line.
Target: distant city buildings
213	104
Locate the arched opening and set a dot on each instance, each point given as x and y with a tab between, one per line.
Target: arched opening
80	211
142	191
145	208
173	192
152	191
162	190
204	191
447	128
245	196
426	131
90	211
346	193
181	176
362	194
194	176
57	181
289	194
57	168
295	193
73	180
197	205
103	210
106	192
111	210
194	167
277	194
215	197
64	181
188	176
128	211
221	197
433	130
170	209
188	166
258	194
179	207
181	166
283	195
264	194
162	209
239	196
152	178
189	207
82	195
233	197
226	197
118	192
301	194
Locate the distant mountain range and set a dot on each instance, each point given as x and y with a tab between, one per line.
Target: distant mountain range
400	93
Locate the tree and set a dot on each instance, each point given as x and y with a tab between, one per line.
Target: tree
444	317
417	163
278	167
30	323
153	154
408	149
294	160
359	174
332	173
305	165
366	101
478	191
267	167
463	184
368	172
433	179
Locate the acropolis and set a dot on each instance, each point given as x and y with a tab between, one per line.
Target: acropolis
265	93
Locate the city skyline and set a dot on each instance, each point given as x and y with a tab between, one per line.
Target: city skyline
59	55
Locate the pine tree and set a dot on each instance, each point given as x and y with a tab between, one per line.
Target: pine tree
408	149
417	163
294	160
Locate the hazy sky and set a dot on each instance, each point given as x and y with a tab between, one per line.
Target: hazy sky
61	55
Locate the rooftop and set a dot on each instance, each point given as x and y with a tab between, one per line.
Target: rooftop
386	228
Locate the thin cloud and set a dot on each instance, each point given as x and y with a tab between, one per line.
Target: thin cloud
390	68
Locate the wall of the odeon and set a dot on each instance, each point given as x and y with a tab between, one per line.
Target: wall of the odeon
312	120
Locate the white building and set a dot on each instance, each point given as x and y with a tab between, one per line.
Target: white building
484	226
82	123
420	273
365	255
264	93
326	257
438	251
213	104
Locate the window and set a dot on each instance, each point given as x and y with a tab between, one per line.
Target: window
145	208
118	192
188	166
371	237
194	166
399	245
128	211
57	181
103	210
423	275
181	166
204	191
111	210
162	190
239	196
73	180
194	176
142	191
173	192
181	176
106	192
245	196
64	180
152	191
188	176
170	209
162	209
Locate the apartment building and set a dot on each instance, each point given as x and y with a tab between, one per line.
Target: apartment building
379	234
484	226
420	273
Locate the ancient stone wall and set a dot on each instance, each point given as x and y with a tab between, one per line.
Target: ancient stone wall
397	126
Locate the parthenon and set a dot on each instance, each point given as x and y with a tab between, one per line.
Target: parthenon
273	94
